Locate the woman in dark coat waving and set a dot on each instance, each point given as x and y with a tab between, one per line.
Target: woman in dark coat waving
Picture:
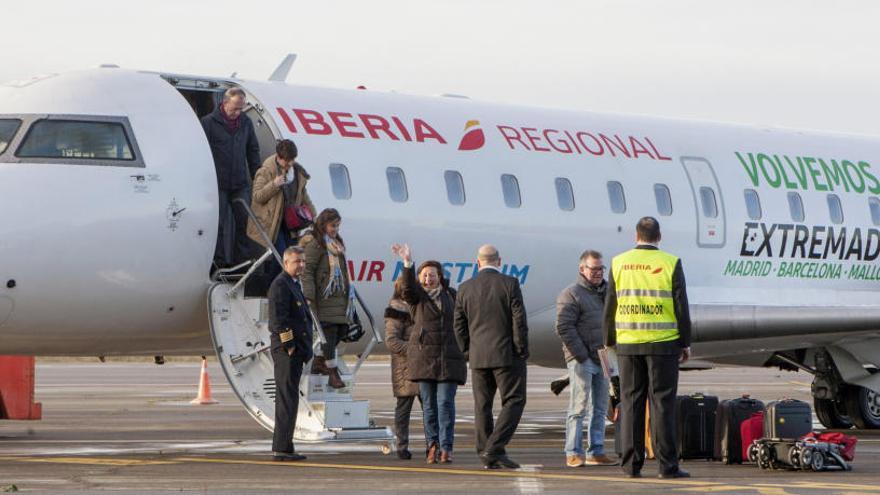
433	357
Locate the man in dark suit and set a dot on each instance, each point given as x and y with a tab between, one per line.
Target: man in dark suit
290	324
490	325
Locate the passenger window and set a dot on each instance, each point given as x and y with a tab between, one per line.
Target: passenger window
707	200
510	188
454	187
616	197
796	207
874	205
753	204
396	184
76	139
564	194
664	199
835	208
8	128
339	181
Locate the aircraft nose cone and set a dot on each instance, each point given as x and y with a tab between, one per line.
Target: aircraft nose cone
6	305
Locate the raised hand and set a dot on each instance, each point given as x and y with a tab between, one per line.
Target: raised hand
403	251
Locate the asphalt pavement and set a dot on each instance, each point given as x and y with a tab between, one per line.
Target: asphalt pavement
129	427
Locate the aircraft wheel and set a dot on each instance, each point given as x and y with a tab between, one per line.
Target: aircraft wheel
832	413
863	407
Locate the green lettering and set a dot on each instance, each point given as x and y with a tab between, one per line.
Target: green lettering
751	171
834	175
875	189
847	165
809	161
762	161
729	269
799	171
789	184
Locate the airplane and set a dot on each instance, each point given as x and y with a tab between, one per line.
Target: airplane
110	209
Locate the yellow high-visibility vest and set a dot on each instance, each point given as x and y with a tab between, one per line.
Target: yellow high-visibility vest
645	310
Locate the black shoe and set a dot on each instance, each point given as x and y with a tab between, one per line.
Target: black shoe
678	473
404	454
507	462
489	461
288	457
634	475
498	461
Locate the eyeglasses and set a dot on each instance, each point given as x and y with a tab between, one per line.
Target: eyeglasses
596	269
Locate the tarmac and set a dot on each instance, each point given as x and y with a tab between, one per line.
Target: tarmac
129	427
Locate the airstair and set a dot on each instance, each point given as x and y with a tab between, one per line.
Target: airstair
239	329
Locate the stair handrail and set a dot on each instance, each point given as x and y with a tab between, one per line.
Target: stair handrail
271	247
265	235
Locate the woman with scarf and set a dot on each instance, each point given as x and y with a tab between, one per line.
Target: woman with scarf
433	357
279	186
328	290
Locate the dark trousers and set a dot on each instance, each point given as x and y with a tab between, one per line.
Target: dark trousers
288	370
282	241
402	412
233	245
510	382
332	331
653	378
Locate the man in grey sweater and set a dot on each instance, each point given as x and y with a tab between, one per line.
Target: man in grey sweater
579	310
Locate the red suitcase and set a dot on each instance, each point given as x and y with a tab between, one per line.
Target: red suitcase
750	430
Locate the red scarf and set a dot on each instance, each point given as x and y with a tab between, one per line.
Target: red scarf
232	125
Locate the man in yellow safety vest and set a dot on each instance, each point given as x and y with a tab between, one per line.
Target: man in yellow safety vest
648	323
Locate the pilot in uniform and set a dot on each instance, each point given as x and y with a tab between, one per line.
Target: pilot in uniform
290	325
648	322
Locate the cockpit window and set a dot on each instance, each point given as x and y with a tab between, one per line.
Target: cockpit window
74	139
8	128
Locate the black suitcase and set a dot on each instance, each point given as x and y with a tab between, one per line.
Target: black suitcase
731	414
696	426
787	418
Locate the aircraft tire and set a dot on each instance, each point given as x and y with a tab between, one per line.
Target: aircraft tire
863	407
832	414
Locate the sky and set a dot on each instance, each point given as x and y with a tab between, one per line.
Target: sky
789	63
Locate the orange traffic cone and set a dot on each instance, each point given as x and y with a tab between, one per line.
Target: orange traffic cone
204	396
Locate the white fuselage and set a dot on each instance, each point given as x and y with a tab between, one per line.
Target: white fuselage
101	266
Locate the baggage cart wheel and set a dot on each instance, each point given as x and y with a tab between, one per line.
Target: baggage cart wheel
764	459
753	453
794	457
818	461
385	448
807	458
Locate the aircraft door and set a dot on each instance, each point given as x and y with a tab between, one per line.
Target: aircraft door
263	129
708	202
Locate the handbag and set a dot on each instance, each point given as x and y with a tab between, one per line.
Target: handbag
355	330
298	217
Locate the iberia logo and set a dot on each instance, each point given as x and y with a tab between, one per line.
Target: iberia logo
473	138
642	268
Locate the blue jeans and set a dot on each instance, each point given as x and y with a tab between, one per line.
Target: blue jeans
438	408
589	395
